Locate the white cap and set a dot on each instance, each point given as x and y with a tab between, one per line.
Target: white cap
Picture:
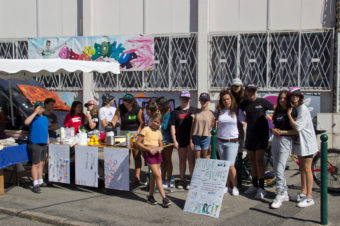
236	82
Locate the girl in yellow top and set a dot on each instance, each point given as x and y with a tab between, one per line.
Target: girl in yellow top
150	142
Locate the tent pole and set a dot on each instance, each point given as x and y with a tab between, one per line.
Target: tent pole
11	100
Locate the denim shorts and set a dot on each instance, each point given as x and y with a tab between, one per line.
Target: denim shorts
201	142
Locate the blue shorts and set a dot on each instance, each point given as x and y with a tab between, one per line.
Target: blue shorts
201	142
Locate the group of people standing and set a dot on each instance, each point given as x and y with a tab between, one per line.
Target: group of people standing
292	132
240	120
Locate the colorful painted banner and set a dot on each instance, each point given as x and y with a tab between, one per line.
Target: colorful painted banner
59	163
207	187
135	53
116	164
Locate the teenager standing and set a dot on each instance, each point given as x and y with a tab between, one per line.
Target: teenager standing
281	147
228	116
203	122
257	136
305	147
181	121
130	114
38	140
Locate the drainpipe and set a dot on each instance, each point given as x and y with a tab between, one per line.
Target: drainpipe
337	31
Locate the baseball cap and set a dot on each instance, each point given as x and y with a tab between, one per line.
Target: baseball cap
107	97
185	93
295	91
204	96
128	98
236	82
251	86
90	102
38	103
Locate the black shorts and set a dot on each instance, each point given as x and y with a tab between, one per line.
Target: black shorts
183	141
256	142
37	152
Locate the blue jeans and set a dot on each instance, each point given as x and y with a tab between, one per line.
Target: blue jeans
227	151
281	148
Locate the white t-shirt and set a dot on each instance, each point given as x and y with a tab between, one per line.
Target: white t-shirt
107	113
227	125
304	125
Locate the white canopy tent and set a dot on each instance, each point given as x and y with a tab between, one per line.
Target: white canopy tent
28	68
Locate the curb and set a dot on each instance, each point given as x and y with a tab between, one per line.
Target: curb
41	217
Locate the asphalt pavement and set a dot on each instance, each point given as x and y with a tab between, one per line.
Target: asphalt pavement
76	205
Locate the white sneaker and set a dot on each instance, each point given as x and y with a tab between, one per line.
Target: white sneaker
251	190
284	197
277	202
305	203
226	190
299	197
260	193
165	184
235	191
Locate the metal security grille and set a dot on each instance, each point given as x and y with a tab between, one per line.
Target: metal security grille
316	59
284	59
272	60
183	62
62	81
223	60
175	68
13	50
253	58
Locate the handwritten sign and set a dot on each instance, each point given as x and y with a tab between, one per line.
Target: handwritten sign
87	166
59	163
116	164
207	187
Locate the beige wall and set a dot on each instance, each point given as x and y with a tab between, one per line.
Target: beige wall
118	17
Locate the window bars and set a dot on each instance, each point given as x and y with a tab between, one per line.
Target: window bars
272	60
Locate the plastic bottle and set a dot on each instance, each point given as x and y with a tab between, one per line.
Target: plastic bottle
62	134
128	139
172	182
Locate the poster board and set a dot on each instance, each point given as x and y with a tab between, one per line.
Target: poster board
207	185
59	163
86	166
116	165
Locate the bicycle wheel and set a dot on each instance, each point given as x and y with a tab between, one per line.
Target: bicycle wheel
333	170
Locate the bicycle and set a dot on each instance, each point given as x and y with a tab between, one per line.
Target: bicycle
333	167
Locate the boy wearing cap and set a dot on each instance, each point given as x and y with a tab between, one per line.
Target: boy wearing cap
38	140
180	122
257	136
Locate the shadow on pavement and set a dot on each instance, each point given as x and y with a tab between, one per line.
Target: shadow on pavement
178	202
284	217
